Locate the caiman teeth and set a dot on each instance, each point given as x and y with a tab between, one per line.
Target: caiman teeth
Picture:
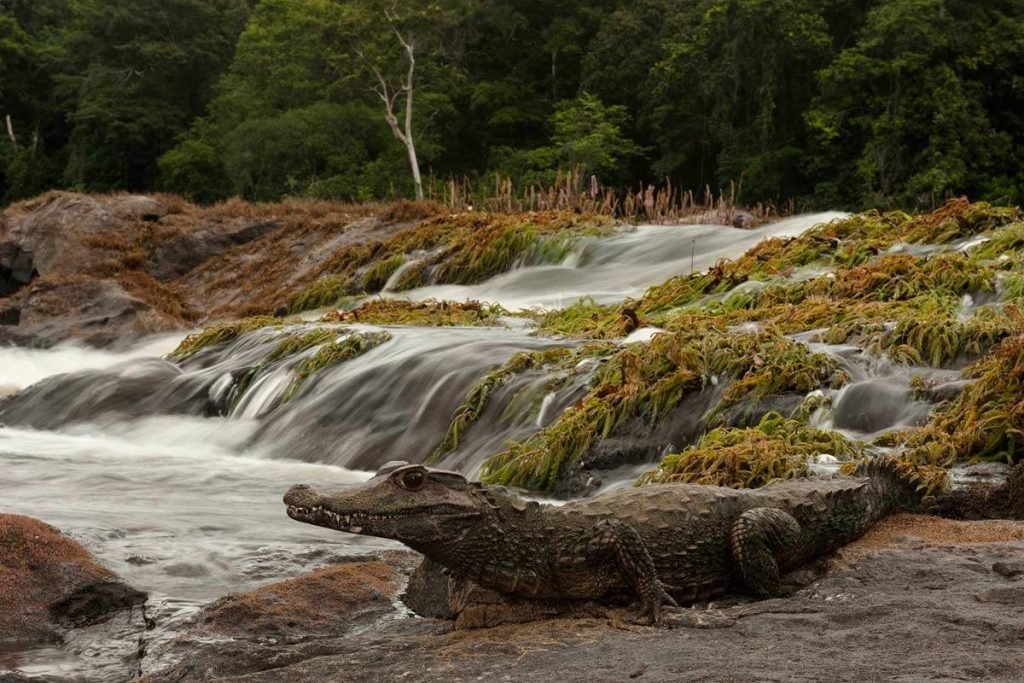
350	520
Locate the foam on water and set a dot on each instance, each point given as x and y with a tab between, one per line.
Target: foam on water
21	367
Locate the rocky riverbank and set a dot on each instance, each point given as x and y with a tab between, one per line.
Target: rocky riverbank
106	270
919	598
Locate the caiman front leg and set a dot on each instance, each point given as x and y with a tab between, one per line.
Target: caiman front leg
760	536
619	541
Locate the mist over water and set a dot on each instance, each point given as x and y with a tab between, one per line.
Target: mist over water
172	473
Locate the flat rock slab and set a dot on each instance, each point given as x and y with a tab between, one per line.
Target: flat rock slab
918	599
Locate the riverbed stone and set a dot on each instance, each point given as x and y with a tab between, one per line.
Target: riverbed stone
49	582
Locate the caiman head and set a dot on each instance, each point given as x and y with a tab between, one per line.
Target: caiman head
409	503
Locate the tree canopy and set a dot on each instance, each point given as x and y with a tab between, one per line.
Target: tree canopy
836	103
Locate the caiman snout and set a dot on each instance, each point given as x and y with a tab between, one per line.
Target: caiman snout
300	495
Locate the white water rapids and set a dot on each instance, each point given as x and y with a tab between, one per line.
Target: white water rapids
124	454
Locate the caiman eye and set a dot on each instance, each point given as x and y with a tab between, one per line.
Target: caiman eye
413	480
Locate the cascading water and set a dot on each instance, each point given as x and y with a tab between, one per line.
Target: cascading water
172	472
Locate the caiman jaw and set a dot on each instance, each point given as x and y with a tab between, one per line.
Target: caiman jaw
321	516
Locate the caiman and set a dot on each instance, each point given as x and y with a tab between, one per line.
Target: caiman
664	544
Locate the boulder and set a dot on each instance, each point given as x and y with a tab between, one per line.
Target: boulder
48	583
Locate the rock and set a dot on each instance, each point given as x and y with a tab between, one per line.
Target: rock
49	582
327	601
284	622
637	442
1008	569
743	220
105	270
1015	489
95	603
870	406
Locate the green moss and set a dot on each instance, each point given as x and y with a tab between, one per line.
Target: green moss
775	449
218	334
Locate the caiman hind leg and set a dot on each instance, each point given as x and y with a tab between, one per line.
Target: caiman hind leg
760	536
616	540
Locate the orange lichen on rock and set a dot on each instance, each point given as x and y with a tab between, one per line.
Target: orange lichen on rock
318	603
38	567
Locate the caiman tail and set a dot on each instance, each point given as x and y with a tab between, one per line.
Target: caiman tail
899	486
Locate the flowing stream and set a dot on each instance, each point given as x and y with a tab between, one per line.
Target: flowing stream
178	490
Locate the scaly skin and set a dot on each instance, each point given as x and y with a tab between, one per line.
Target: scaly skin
662	544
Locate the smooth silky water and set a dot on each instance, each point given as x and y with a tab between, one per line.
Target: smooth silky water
120	452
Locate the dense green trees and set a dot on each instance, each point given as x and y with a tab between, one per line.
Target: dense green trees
839	103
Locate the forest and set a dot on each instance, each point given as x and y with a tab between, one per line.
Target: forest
839	104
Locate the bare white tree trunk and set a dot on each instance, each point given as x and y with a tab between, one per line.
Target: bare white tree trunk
10	133
390	96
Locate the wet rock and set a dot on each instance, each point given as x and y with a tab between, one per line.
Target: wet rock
182	251
327	601
1009	569
95	603
637	442
283	623
49	582
748	413
1015	489
870	406
977	501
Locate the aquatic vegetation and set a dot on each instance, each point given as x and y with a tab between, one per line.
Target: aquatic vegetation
647	381
985	421
325	291
777	448
479	395
377	275
218	334
428	313
940	340
588	319
298	342
348	346
465	248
